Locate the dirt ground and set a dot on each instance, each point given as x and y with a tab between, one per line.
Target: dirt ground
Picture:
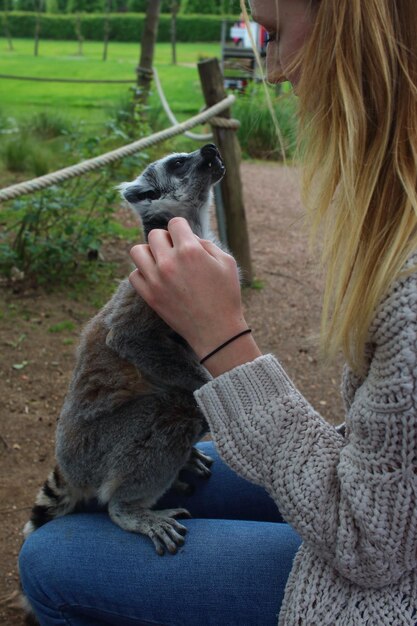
36	363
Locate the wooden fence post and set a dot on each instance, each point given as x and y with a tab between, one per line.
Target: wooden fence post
231	186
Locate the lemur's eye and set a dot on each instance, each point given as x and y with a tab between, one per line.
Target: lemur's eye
179	162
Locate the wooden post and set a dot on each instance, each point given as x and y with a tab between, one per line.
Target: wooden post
231	186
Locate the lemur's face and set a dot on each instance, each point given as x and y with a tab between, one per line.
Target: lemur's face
178	185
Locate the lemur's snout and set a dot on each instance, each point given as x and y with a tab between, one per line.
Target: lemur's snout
209	151
213	160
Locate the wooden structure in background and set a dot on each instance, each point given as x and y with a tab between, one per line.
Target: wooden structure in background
231	186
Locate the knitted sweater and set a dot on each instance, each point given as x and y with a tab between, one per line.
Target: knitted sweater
352	498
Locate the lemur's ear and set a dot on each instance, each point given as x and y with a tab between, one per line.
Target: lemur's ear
137	193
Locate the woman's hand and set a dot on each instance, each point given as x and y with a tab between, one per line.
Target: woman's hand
194	287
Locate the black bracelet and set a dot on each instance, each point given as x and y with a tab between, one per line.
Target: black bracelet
226	343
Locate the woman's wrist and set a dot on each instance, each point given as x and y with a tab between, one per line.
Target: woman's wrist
241	350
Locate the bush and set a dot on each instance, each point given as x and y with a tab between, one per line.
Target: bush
53	234
123	27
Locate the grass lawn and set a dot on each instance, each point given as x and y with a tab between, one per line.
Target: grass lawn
91	102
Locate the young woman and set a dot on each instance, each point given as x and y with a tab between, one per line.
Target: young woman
351	499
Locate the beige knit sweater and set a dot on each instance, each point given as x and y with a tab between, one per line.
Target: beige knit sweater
352	499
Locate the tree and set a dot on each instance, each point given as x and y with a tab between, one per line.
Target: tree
6	27
106	28
39	8
79	33
147	46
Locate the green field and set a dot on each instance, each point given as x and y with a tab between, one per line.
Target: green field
91	102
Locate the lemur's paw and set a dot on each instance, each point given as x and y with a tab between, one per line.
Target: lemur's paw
199	463
164	530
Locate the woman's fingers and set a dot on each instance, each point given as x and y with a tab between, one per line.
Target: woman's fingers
180	231
158	240
142	257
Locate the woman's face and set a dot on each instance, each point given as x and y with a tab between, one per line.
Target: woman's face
289	23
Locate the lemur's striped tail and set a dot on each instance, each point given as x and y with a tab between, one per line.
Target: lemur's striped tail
54	499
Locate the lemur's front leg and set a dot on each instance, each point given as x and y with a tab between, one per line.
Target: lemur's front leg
160	356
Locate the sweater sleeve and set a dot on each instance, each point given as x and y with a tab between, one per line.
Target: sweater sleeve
353	500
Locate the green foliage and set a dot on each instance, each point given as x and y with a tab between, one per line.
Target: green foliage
87	6
140	6
56	234
26	5
211	7
123	27
52	233
256	133
52	6
214	7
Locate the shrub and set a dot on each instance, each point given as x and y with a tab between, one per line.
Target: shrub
54	234
123	26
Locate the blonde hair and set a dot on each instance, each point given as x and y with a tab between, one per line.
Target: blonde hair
358	125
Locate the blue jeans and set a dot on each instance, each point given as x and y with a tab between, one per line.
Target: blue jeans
84	570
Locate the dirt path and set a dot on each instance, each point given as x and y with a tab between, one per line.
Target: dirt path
36	362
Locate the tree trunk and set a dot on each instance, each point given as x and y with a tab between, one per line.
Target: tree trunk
107	29
6	28
38	27
79	34
147	46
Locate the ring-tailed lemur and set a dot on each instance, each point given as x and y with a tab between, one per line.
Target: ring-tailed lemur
129	421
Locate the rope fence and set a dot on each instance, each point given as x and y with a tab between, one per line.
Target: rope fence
42	182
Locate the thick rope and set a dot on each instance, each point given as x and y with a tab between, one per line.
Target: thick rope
30	186
220	122
171	116
225	122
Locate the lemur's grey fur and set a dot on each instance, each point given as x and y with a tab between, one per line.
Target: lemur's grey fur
130	421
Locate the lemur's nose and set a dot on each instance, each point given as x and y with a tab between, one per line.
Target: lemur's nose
209	151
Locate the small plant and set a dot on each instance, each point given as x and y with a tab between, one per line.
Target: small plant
256	134
47	125
16	153
49	235
22	153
